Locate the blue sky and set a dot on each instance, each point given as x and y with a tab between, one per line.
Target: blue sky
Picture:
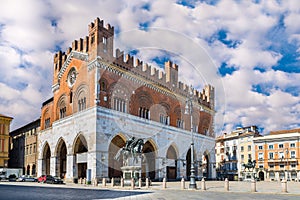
249	50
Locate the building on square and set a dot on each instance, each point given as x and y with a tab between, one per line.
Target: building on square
277	155
23	148
100	100
4	140
233	150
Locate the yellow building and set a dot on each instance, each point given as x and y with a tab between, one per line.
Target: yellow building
4	139
278	155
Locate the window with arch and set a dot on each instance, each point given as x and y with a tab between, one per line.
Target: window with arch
62	112
164	119
119	105
103	85
180	123
82	104
144	113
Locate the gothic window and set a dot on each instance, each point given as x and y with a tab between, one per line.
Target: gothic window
164	119
119	105
144	113
62	112
82	104
47	123
103	85
71	97
179	123
104	40
93	38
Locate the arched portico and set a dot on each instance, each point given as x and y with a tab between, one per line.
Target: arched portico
148	165
80	156
114	166
46	159
172	163
61	158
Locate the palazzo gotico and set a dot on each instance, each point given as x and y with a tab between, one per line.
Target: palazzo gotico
101	99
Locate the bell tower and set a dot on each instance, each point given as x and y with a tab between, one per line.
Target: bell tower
101	40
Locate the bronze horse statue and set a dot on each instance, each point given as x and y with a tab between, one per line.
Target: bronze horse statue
133	147
249	165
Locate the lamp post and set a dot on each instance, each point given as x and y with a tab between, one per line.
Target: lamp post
287	163
189	110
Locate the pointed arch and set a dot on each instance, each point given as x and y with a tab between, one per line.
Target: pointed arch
114	166
81	98
61	157
172	155
80	144
46	155
150	154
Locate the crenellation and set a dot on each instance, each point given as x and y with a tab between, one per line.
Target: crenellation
129	60
75	45
86	44
167	78
80	45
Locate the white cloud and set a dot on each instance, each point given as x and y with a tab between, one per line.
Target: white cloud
30	34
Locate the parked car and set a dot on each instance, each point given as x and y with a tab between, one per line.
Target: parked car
27	178
42	179
53	180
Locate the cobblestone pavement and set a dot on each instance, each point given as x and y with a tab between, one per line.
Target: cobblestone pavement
214	190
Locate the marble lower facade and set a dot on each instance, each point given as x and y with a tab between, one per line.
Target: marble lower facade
89	140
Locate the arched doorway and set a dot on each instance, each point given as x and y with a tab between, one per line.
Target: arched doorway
114	166
61	159
28	170
34	170
172	167
80	151
205	166
261	175
148	165
46	160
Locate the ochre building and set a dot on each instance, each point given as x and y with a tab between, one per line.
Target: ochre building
4	139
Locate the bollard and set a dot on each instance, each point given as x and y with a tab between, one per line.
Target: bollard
96	182
226	186
132	183
182	184
253	185
104	182
112	182
84	181
164	183
122	182
147	182
284	185
203	185
140	182
80	181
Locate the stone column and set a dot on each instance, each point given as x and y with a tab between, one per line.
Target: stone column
226	184
253	185
284	185
203	185
40	167
147	182
71	168
53	166
164	183
182	183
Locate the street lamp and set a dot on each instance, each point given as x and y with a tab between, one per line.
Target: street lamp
287	163
189	110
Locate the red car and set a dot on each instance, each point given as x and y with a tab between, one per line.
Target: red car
42	179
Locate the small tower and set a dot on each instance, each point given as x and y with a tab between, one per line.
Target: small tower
100	40
171	73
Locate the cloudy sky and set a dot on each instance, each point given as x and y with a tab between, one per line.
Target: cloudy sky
249	50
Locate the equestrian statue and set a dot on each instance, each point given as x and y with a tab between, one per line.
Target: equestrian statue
133	148
250	165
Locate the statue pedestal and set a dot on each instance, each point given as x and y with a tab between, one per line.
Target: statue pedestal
248	175
133	169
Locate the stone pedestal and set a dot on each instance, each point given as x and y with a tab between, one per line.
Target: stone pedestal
132	170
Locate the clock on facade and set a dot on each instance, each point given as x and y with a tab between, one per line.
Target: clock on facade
72	77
